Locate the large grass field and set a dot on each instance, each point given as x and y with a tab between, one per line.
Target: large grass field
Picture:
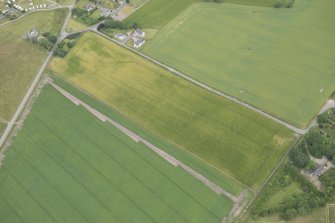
19	59
280	60
230	137
65	165
157	13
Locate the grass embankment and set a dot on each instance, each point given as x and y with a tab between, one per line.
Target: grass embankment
230	137
281	60
20	59
65	165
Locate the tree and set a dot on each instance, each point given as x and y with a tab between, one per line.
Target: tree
328	181
312	165
288	214
299	156
316	142
322	120
52	38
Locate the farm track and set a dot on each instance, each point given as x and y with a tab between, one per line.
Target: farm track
170	159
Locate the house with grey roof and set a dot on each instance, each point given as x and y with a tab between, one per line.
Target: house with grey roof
138	43
120	36
139	33
90	6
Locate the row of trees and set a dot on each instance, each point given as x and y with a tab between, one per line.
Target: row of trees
284	4
110	23
64	47
85	17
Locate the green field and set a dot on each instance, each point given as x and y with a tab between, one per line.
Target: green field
230	137
196	164
157	13
280	60
19	59
59	170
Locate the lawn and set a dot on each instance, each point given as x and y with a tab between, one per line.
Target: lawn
234	139
280	60
157	13
19	59
282	194
59	170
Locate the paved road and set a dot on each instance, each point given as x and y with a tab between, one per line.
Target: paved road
172	70
23	103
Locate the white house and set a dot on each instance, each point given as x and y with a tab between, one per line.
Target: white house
120	36
32	34
90	7
138	43
139	33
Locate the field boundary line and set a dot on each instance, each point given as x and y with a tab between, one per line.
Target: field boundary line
144	126
170	159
